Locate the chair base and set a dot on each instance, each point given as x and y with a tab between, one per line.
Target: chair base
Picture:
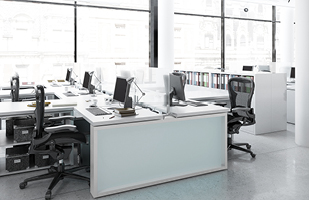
57	173
237	146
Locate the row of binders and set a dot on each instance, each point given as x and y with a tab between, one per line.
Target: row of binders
206	79
196	78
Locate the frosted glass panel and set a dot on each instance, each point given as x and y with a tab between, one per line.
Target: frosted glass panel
148	152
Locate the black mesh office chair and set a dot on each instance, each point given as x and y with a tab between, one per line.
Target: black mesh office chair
57	142
15	88
241	114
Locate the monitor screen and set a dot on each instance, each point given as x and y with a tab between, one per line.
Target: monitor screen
177	87
247	68
87	80
69	74
120	89
121	92
292	75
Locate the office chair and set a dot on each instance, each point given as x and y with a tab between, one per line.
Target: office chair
11	121
15	88
241	114
57	142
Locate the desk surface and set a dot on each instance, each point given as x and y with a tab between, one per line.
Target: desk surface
205	94
11	109
84	101
187	111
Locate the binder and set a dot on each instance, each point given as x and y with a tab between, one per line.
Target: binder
202	78
198	78
226	81
222	81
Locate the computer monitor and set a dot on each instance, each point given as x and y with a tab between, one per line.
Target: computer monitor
87	82
247	68
121	92
69	75
177	85
292	74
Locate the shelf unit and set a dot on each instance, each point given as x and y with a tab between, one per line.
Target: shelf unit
269	100
9	142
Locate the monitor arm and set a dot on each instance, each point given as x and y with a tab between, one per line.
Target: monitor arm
91	89
72	80
171	94
97	79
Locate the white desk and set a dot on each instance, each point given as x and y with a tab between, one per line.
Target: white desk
205	94
143	150
25	93
139	151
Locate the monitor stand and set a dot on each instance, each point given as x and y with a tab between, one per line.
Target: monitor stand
174	103
128	102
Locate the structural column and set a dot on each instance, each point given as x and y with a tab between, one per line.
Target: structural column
165	38
287	36
302	73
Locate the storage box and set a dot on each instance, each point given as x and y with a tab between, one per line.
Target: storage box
26	121
42	160
18	121
9	126
17	158
23	133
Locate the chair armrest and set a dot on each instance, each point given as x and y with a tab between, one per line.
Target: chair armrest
58	119
240	109
246	113
61	128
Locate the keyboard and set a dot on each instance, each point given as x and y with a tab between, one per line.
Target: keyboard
96	111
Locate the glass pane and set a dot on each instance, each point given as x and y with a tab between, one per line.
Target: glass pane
197	42
248	10
36	41
247	42
134	4
116	41
203	7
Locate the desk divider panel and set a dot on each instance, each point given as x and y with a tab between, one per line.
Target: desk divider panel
141	154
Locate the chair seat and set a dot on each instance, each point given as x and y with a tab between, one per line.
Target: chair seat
61	128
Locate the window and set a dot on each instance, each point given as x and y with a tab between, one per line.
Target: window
34	38
203	7
114	40
197	38
197	43
253	43
253	10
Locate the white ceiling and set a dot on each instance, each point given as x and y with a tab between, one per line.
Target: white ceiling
272	2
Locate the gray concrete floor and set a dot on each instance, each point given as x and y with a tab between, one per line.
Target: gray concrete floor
279	171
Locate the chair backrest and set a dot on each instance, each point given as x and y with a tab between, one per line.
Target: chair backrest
241	90
39	111
15	88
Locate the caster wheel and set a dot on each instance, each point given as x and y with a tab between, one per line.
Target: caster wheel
248	146
253	155
48	195
22	185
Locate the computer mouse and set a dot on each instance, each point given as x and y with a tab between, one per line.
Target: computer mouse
69	92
